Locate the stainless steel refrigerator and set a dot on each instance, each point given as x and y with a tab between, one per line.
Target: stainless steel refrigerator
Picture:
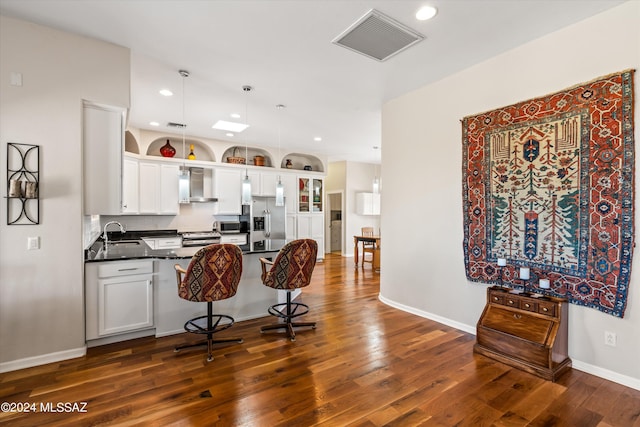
268	221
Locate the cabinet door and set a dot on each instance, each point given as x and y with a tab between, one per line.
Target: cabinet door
228	184
317	195
124	304
148	198
303	195
102	140
130	188
268	183
169	204
290	182
254	177
290	228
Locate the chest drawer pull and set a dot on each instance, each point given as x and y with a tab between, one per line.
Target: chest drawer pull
545	309
527	305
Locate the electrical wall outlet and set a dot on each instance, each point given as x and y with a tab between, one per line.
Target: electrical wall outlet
610	338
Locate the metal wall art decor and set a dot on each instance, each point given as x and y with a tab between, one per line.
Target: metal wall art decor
548	184
23	179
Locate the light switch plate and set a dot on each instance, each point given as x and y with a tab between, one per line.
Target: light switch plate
33	243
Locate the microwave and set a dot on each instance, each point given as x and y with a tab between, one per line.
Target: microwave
228	227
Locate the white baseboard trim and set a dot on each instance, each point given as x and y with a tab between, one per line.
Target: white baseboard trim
607	374
430	316
581	366
30	362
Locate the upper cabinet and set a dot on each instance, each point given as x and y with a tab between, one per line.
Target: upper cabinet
368	203
102	140
310	195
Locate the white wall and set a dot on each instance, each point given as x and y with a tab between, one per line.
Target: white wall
422	263
41	292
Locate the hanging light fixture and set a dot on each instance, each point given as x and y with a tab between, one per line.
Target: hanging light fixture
183	175
246	183
279	186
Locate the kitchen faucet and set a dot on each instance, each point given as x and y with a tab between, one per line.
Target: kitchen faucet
105	236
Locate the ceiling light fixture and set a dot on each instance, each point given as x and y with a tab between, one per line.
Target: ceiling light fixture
235	115
230	134
279	186
317	139
154	124
166	92
230	126
183	176
246	182
426	12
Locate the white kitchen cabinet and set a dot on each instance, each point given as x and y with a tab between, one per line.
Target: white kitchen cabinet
312	227
158	188
236	239
169	200
291	228
368	203
228	185
290	184
163	242
263	183
130	186
148	198
118	297
310	194
268	181
102	148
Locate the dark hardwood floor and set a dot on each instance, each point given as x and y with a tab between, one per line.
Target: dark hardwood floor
366	364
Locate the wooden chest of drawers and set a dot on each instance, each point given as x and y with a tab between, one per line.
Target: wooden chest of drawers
525	331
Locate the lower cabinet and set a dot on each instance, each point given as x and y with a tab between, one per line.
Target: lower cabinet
118	297
312	227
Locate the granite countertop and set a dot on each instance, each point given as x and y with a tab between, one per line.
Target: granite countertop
138	249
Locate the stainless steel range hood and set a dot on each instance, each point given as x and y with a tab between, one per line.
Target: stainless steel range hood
196	188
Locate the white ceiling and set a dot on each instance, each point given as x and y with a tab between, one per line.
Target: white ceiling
284	50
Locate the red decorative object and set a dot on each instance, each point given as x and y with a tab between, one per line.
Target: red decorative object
167	150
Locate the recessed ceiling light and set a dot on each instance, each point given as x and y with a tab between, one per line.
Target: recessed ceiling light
235	115
154	123
230	126
426	12
317	139
166	92
229	134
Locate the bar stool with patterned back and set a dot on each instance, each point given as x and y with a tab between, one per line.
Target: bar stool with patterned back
367	247
212	275
291	270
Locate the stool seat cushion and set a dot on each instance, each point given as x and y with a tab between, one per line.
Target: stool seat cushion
213	274
293	266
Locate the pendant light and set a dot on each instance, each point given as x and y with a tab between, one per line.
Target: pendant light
246	183
183	175
279	186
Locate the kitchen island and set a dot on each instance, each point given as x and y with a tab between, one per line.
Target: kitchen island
126	307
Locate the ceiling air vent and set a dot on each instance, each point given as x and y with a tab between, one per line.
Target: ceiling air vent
377	36
176	125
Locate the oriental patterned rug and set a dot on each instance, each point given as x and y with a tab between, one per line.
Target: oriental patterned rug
549	184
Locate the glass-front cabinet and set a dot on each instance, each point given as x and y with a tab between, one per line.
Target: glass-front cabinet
310	195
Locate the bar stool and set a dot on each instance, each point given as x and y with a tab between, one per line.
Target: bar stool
291	270
212	275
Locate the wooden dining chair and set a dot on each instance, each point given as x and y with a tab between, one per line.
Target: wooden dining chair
367	247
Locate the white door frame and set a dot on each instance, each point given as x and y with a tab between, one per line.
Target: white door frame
327	221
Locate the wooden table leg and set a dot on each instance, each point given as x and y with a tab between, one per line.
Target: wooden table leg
376	258
355	250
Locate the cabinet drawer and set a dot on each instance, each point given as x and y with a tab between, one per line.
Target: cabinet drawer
522	325
237	239
529	305
547	307
114	269
169	243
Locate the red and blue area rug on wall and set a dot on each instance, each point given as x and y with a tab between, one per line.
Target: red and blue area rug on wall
548	184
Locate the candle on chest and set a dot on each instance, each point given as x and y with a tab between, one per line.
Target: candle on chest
524	273
502	262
